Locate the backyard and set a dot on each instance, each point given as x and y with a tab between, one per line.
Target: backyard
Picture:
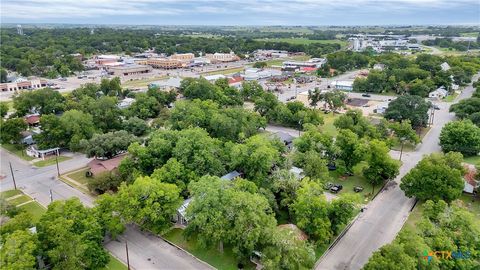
222	261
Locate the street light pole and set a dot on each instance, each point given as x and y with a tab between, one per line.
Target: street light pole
13	176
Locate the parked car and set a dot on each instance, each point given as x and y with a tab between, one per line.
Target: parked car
63	79
358	189
336	188
436	107
332	167
366	95
328	186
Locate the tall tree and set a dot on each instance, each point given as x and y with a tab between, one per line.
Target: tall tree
413	108
10	130
435	177
461	136
404	133
380	166
19	251
108	145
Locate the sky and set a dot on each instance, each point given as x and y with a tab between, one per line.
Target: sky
243	12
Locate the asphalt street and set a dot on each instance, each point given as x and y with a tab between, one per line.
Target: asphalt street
387	213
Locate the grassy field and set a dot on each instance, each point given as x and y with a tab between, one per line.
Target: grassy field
142	82
469	34
328	126
475	160
18	152
33	207
305	41
450	98
472	203
357	179
221	261
224	71
50	161
79	176
114	264
79	180
414	216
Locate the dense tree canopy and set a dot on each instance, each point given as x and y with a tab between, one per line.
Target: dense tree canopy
107	145
435	177
461	136
413	108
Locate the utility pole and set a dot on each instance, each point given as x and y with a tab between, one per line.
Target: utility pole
13	176
51	196
56	160
128	260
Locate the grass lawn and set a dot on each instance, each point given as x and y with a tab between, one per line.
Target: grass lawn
142	82
9	193
19	200
221	261
475	160
358	179
114	264
472	203
450	98
35	209
50	161
328	126
18	152
305	41
224	71
414	217
469	34
79	176
275	62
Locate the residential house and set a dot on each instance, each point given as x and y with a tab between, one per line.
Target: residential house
284	137
180	217
445	66
97	166
298	172
379	67
440	93
125	103
231	175
32	120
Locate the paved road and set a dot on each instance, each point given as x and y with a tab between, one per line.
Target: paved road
387	213
146	251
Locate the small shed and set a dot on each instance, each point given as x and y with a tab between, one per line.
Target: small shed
181	215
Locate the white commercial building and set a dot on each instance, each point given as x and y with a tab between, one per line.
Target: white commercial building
342	85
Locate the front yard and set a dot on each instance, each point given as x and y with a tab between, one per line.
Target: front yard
23	201
78	179
51	160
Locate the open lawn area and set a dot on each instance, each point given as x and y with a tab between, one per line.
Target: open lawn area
224	71
472	203
142	82
16	197
114	264
414	216
18	152
78	179
221	261
304	41
450	98
50	161
475	160
349	182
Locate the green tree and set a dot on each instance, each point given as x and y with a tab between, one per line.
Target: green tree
19	250
144	107
53	134
404	133
105	111
260	64
3	109
380	166
135	126
229	212
356	122
284	185
3	75
10	130
77	126
350	148
435	177
107	215
43	101
466	107
149	203
341	211
287	252
256	157
413	108
174	172
461	136
107	145
71	237
310	209
334	99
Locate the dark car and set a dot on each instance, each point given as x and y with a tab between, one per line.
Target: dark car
436	107
336	188
358	189
366	95
328	186
332	167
